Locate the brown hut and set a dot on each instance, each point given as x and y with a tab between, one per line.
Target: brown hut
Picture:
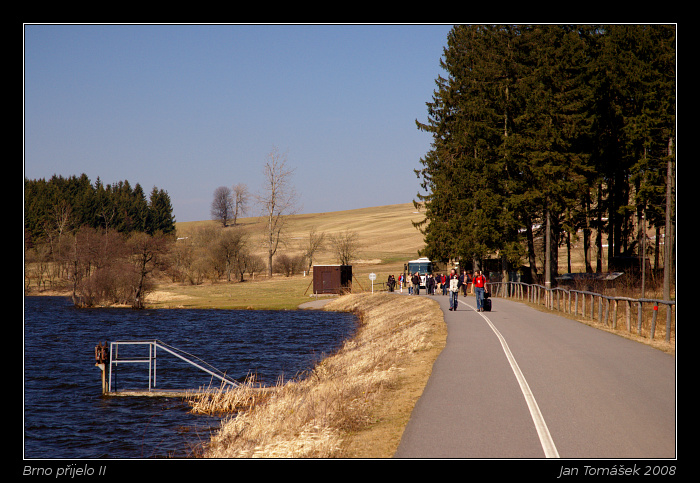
332	278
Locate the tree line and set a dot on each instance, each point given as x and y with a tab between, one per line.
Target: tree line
104	240
59	204
540	131
106	243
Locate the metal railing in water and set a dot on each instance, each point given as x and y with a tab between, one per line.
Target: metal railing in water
151	360
541	295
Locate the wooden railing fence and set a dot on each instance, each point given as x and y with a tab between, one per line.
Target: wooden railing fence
592	305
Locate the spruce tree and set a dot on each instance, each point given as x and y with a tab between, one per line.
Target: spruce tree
462	173
160	217
551	130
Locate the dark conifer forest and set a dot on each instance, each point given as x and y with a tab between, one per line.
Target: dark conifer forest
541	132
74	202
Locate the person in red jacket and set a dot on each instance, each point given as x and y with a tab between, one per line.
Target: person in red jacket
479	282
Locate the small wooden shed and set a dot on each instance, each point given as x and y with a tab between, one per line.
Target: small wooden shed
332	278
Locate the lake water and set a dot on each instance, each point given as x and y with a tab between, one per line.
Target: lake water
65	414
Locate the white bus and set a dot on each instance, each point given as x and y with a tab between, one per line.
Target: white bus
423	266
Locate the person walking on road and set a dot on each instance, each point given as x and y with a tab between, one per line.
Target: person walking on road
479	282
416	284
466	281
454	283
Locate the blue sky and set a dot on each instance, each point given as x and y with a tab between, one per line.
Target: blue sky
189	108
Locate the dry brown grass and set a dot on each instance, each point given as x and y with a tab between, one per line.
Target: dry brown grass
386	234
226	399
356	402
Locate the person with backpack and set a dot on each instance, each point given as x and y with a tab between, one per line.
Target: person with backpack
479	282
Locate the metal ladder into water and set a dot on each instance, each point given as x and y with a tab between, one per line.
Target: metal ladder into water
152	367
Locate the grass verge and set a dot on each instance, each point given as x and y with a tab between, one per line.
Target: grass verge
353	404
276	293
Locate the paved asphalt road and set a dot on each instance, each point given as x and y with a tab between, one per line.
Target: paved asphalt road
519	383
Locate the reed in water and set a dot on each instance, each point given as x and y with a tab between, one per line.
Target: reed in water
228	399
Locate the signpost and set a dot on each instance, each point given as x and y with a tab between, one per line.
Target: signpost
373	277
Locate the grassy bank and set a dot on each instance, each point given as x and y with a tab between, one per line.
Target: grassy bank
276	293
353	404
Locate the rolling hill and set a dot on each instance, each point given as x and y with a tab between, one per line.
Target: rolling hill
386	233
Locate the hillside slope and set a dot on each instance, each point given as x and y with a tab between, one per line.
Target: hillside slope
386	233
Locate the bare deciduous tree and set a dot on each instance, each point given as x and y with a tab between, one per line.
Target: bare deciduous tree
254	264
94	263
345	246
149	253
230	247
240	201
277	200
289	265
222	205
63	216
314	244
182	256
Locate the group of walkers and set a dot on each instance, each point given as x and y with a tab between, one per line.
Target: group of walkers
450	284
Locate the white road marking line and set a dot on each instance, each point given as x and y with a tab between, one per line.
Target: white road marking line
550	450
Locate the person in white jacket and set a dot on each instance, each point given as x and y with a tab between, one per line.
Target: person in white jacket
454	283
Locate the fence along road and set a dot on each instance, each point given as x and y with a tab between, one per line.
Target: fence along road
519	383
